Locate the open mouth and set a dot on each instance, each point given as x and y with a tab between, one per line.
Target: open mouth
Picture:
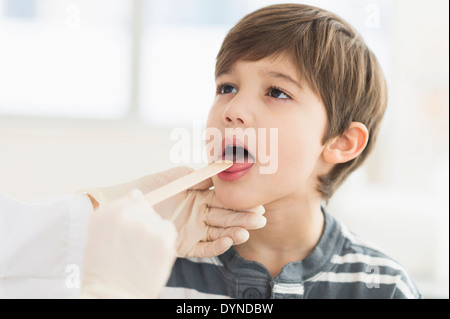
243	161
237	154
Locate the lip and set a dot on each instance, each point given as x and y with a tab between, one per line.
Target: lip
236	174
238	170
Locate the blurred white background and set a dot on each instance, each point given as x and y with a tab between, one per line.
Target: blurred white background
91	89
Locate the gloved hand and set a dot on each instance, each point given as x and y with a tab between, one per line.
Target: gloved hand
205	227
130	250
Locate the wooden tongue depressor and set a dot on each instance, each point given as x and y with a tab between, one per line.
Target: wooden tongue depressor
183	183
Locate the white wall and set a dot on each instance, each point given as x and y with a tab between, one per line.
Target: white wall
40	158
399	200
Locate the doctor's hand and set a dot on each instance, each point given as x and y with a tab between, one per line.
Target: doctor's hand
205	227
130	250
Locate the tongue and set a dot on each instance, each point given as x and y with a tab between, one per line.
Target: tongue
239	167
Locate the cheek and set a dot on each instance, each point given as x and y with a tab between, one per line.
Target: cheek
213	136
212	118
291	163
299	150
215	113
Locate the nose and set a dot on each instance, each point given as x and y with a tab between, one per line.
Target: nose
238	113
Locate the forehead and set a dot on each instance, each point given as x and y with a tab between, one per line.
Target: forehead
277	64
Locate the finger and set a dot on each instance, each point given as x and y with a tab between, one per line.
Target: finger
215	202
212	249
225	218
203	185
237	234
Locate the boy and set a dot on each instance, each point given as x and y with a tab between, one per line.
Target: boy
306	72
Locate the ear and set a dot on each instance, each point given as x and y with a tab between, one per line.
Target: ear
348	146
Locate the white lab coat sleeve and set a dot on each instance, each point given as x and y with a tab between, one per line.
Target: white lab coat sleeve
42	246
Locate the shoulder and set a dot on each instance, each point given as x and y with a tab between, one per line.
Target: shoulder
380	275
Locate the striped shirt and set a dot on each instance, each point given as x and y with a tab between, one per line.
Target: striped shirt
342	265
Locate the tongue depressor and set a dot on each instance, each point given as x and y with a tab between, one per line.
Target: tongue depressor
183	183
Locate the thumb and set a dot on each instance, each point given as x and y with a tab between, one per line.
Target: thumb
212	249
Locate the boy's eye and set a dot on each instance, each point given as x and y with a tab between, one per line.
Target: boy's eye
226	89
278	94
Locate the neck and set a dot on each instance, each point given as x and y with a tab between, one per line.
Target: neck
292	231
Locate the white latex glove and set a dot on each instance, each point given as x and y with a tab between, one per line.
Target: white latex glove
205	227
130	250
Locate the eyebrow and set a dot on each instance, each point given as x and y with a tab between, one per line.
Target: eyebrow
285	77
272	74
226	72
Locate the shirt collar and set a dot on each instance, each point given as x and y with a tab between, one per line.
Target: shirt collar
329	244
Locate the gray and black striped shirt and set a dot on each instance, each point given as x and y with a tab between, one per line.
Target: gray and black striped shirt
342	265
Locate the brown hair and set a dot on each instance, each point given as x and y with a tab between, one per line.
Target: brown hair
330	56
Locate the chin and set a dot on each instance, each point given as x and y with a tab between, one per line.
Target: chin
235	198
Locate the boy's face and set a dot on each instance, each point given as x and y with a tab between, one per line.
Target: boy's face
269	94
